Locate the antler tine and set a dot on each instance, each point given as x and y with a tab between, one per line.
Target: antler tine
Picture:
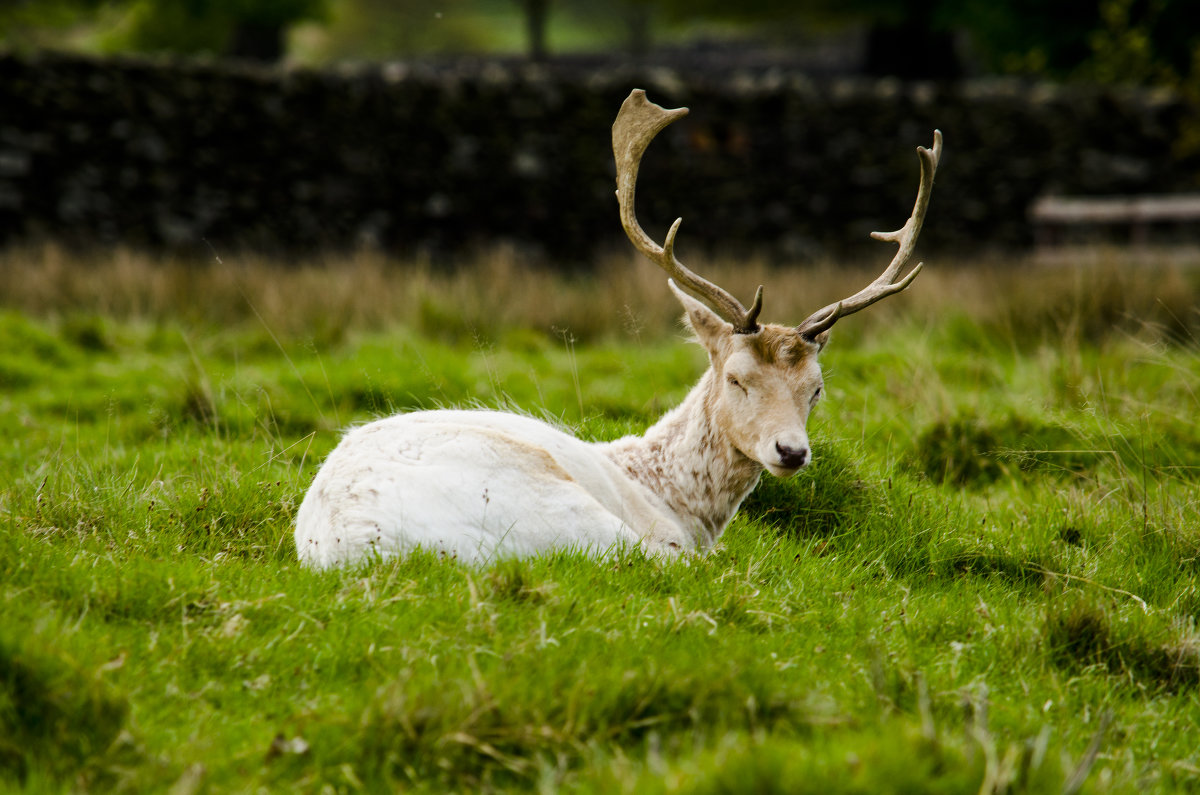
637	123
905	237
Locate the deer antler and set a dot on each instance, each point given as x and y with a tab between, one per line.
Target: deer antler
905	237
638	121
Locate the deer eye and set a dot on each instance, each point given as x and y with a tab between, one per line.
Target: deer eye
734	382
816	396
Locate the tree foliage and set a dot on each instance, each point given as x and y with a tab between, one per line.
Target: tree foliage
381	29
1147	41
29	23
245	28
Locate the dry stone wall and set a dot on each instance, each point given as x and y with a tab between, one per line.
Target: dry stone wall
442	158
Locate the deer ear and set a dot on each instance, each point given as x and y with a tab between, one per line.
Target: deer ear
711	330
821	340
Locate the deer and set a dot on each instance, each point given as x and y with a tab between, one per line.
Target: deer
479	485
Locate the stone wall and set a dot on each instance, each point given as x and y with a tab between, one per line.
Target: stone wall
441	158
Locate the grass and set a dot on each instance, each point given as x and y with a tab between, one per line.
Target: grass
987	581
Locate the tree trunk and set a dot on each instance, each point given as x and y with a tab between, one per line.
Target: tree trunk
637	19
537	15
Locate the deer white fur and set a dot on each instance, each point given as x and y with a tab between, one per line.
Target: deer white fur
479	485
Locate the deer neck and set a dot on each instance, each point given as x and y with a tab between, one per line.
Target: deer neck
688	462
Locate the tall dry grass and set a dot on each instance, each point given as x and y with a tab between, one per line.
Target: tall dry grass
1090	296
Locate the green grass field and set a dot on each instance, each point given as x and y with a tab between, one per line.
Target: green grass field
987	581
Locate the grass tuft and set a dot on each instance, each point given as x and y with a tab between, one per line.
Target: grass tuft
970	450
829	498
56	720
485	730
1082	634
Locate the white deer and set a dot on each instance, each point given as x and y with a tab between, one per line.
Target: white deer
478	485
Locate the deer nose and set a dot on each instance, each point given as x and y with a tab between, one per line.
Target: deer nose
791	457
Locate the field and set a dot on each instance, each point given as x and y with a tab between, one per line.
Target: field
986	582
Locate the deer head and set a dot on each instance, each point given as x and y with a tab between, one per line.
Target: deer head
766	378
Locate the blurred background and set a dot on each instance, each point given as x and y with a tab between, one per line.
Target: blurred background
440	127
1109	41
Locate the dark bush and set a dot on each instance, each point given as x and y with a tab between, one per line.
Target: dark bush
440	159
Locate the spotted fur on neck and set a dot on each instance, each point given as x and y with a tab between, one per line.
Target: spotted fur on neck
685	460
688	460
